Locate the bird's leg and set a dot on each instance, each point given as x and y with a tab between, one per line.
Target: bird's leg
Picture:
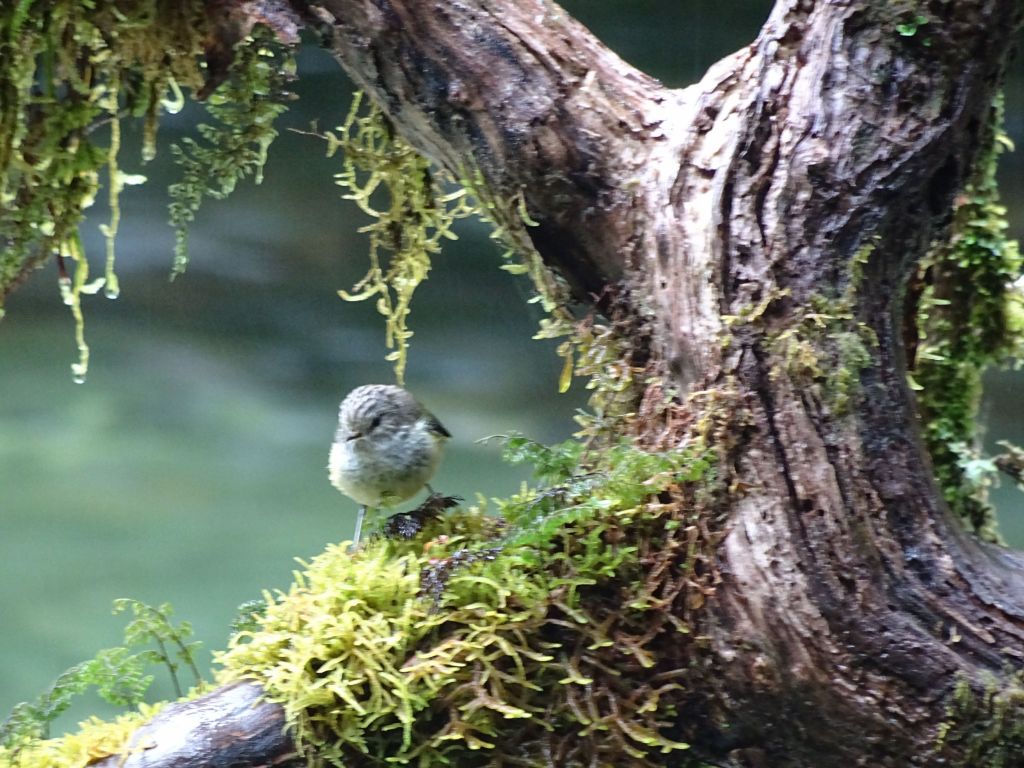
359	525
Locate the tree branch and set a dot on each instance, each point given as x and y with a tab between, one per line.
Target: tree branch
231	727
763	223
523	94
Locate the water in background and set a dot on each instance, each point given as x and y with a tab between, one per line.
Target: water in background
190	467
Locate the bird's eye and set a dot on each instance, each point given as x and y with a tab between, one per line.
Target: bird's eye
375	423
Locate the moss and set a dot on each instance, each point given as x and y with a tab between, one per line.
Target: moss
94	740
413	205
985	723
610	350
967	319
64	75
70	72
233	145
562	632
821	349
824	350
567	639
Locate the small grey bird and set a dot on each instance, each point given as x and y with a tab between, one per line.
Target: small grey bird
386	449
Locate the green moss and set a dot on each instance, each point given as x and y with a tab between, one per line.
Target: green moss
413	206
70	72
234	143
824	351
65	74
968	318
94	740
566	636
985	724
821	349
561	632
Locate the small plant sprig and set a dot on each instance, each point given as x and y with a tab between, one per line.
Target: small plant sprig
249	613
153	625
118	674
236	141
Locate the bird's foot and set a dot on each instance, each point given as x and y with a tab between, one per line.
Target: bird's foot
436	503
405	525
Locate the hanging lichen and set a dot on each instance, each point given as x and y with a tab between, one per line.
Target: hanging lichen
70	72
412	213
608	351
415	205
68	76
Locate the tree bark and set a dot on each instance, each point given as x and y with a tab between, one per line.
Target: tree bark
229	727
795	186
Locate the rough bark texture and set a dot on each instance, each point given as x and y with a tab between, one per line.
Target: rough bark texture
851	602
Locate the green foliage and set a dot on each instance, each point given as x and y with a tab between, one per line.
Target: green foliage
234	145
118	674
909	20
562	637
248	617
911	27
70	72
986	727
153	625
969	317
552	465
412	213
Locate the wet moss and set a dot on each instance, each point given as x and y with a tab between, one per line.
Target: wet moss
569	637
985	723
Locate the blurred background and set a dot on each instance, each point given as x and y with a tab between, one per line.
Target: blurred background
190	467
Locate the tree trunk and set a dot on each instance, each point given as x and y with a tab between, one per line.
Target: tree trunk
761	225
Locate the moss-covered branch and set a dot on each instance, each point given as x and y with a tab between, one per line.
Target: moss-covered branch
566	627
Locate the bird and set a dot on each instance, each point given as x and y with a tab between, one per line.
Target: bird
386	448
